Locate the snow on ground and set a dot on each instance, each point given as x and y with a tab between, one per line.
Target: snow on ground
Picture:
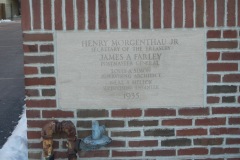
5	20
16	146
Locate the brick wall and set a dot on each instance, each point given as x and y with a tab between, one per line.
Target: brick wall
208	132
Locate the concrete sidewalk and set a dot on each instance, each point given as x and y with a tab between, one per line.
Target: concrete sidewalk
11	78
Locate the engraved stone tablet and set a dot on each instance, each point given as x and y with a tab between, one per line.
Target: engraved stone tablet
130	69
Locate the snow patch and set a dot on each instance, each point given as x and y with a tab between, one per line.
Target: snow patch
16	146
5	20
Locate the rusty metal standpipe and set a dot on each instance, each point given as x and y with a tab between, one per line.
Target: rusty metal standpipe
59	127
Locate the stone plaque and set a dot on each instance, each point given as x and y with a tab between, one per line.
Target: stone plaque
130	69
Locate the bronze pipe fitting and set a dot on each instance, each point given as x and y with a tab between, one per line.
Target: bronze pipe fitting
54	127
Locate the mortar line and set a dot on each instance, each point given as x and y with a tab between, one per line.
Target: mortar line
129	15
75	15
151	14
140	14
31	13
96	15
173	10
42	15
107	14
86	14
119	14
63	15
162	13
225	13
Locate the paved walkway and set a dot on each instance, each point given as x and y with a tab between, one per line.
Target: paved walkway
11	78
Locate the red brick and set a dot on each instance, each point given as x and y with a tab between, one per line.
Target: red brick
112	123
31	92
160	132
189	13
62	155
231	19
96	153
69	14
233	141
211	99
221	89
35	155
210	13
36	14
127	113
224	150
41	103
91	14
213	56
83	133
86	113
210	121
26	19
102	14
138	123
40	81
48	92
146	143
219	67
231	78
177	122
135	14
220	12
193	111
199	13
192	132
35	145
34	134
126	134
161	153
124	14
38	59
33	113
37	123
230	34
208	141
214	34
116	143
155	112
225	110
37	37
46	48
178	13
57	114
146	14
223	131
231	56
167	14
222	44
126	153
47	14
30	48
213	78
81	14
113	14
156	14
193	151
234	120
58	14
176	142
30	70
